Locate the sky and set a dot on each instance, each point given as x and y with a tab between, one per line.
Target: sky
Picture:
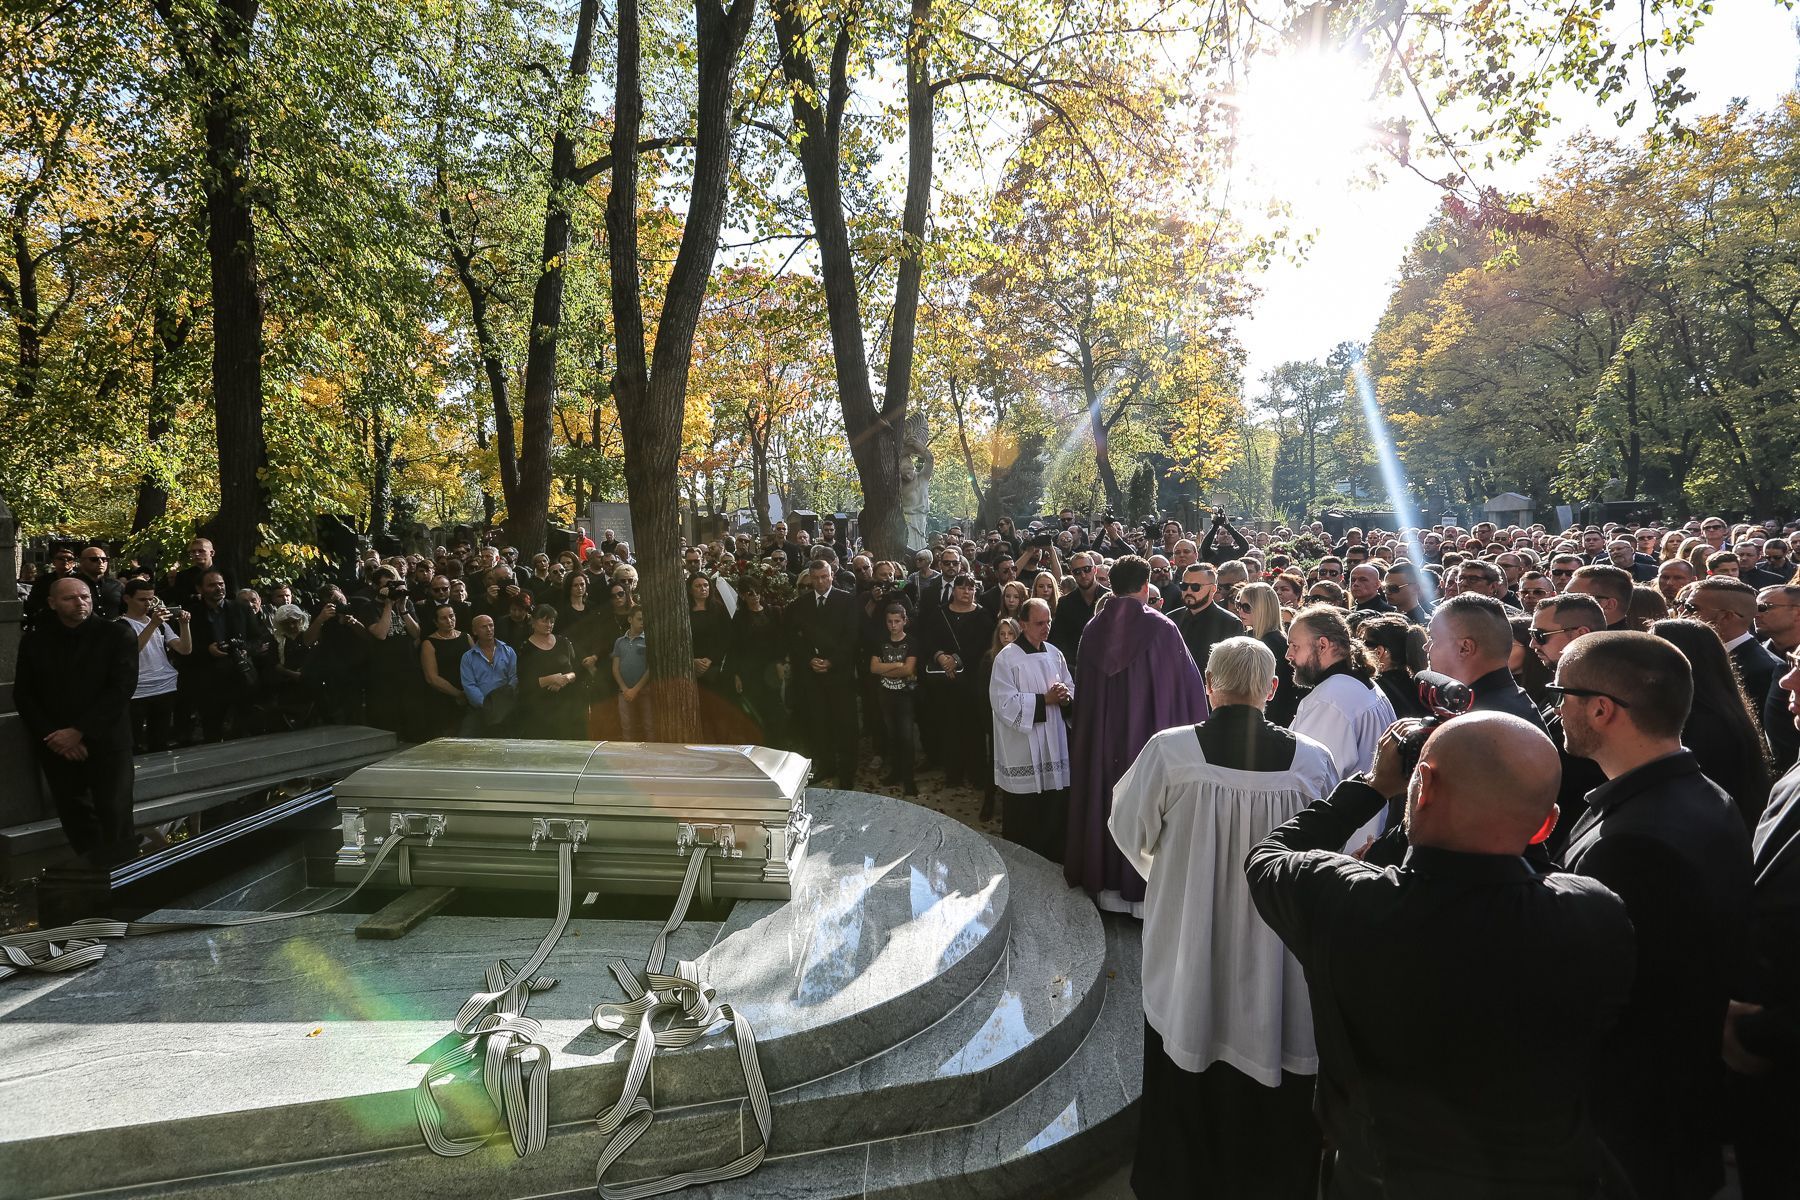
1337	292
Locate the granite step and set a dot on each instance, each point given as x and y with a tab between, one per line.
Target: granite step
1027	1017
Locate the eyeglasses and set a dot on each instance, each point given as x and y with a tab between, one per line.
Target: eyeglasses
1540	636
1319	598
1330	573
1712	528
1555	692
1562	574
1193	587
1394	589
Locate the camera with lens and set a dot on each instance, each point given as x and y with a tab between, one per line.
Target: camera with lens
1042	541
1444	698
1218	516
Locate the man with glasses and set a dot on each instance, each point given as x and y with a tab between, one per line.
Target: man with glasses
109	598
1533	587
1331	567
1556	622
1203	622
1730	607
1563	568
1076	609
1671	844
1403	594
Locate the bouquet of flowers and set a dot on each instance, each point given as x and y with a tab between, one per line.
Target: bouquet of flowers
765	577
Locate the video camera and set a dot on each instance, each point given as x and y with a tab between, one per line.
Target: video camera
1444	698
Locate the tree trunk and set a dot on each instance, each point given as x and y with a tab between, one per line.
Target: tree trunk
215	58
168	334
876	435
651	407
381	443
488	350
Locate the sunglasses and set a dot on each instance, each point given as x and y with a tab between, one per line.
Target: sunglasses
1084	570
1761	608
1555	693
1562	574
1394	589
1540	636
1193	587
1330	572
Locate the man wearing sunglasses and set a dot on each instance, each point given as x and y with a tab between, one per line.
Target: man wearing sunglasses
1670	842
1076	609
1203	622
1778	624
1403	594
1555	624
1563	568
1729	606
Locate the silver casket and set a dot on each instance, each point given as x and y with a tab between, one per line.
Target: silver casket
482	814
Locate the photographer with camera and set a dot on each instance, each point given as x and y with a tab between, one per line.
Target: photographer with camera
153	700
1211	551
1464	945
219	676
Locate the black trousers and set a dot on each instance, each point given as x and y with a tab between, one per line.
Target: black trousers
1037	821
825	711
152	719
1765	1116
1221	1134
93	801
896	734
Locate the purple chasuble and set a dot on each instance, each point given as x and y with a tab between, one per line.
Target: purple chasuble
1134	679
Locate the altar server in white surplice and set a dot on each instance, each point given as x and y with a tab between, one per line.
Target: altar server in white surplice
1031	690
1229	1055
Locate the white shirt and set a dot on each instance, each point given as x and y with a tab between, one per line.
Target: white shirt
1347	717
156	674
1029	755
1219	986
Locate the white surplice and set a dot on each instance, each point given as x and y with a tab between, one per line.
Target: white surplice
1031	739
1347	717
1219	986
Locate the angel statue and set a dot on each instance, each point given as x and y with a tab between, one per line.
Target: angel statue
915	487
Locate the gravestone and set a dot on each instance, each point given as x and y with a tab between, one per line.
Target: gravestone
21	798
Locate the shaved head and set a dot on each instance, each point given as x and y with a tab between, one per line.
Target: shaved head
1485	783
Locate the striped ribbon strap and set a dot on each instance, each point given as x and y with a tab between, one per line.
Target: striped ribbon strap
83	943
515	1063
692	1008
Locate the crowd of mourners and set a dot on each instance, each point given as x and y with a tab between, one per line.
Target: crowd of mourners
1515	807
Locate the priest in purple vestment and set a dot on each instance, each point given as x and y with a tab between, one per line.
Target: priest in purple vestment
1134	679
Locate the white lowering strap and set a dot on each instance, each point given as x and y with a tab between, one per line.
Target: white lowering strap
515	1063
82	943
692	1008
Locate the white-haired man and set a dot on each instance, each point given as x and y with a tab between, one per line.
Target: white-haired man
1228	1074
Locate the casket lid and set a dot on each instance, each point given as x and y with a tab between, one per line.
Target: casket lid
619	776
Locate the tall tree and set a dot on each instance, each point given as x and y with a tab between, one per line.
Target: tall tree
651	401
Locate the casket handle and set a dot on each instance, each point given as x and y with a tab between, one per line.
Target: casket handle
720	835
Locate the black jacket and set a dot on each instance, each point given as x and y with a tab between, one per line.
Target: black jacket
1774	979
1756	667
1670	842
1073	612
1778	725
81	677
828	632
1497	691
1205	629
1458	1000
1211	552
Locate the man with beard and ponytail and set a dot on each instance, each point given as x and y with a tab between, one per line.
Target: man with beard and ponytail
1345	711
1670	842
1135	679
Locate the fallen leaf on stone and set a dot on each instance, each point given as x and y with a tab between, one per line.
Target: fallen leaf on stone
317	1031
1112	974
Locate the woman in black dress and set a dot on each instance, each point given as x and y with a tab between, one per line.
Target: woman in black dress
755	650
956	637
551	704
711	633
440	659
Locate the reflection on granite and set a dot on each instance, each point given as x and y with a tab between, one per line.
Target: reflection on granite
227	1049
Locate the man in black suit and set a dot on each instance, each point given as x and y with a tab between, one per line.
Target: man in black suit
1778	624
1729	606
210	682
1470	639
1076	609
1460	997
76	674
822	636
1202	621
1670	842
1762	1030
1555	624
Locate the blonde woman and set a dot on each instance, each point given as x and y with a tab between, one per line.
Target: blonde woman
1257	605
